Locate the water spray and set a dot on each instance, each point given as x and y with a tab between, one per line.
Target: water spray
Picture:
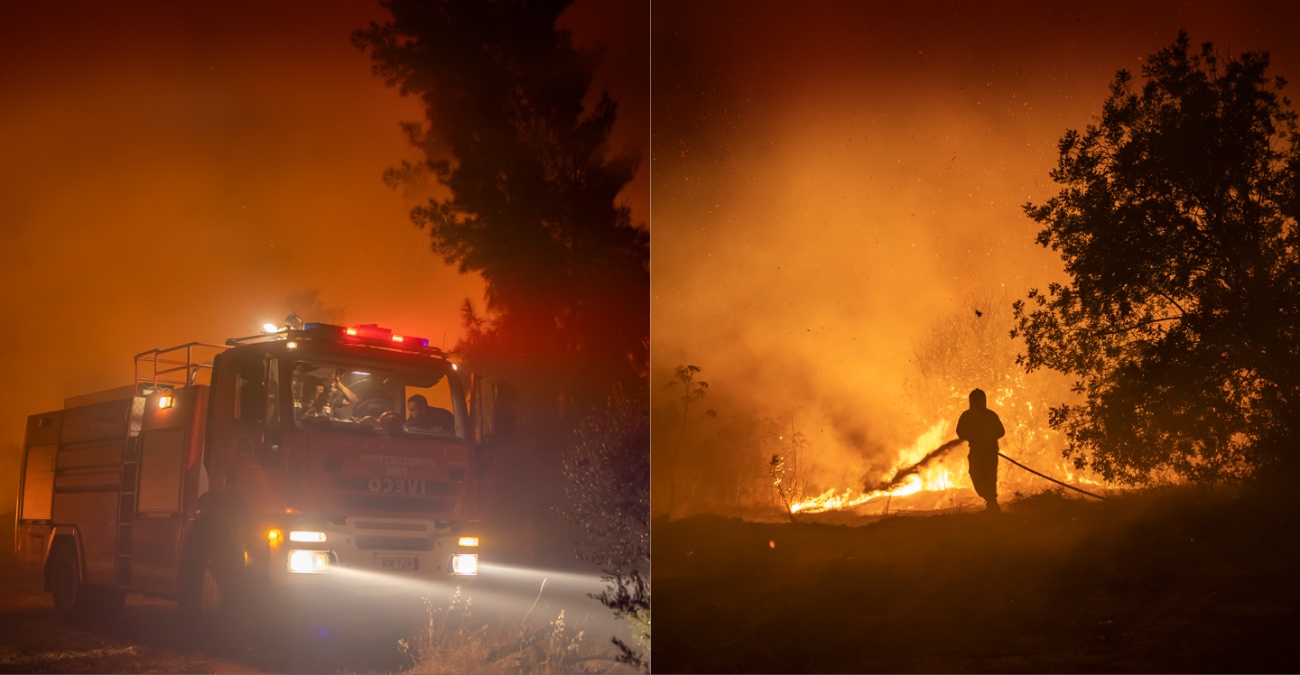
903	474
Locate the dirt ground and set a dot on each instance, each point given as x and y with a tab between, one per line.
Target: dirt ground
1180	580
146	637
153	636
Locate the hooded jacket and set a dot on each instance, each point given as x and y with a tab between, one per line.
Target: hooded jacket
979	426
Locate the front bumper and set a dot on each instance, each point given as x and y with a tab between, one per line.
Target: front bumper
370	556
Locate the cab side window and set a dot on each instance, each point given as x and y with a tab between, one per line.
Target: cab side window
251	390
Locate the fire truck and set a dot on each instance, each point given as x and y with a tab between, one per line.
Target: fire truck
309	460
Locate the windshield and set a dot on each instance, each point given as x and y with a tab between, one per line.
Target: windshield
425	402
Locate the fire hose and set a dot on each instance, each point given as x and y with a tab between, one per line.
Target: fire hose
902	474
1050	478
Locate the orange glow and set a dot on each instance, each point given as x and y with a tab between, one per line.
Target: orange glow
931	478
197	106
949	472
828	193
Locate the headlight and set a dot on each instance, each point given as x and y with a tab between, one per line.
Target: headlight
464	564
309	562
301	535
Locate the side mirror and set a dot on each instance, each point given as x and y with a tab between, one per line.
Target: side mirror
505	413
492	410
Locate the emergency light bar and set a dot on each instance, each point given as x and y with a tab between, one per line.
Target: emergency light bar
361	334
374	333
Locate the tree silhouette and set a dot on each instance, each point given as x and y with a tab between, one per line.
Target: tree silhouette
692	391
530	191
608	486
1177	224
527	198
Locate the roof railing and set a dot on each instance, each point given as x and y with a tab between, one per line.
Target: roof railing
175	367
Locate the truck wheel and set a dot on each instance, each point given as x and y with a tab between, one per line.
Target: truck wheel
219	606
204	591
213	601
76	601
65	583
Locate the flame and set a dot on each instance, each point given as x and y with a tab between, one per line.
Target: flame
938	475
931	478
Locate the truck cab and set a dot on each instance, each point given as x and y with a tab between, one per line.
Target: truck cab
306	461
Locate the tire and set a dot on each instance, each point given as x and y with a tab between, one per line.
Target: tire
203	582
215	600
207	591
66	587
212	597
75	601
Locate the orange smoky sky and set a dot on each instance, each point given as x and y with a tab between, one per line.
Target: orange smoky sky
186	171
831	177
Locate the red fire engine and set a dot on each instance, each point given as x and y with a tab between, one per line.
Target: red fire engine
308	458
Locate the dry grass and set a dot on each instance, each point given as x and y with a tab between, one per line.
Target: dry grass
454	636
454	640
1171	580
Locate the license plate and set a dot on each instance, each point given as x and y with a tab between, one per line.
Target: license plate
397	563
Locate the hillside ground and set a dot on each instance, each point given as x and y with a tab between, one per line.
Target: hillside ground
1173	580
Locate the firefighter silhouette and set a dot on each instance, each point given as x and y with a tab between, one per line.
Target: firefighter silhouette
981	428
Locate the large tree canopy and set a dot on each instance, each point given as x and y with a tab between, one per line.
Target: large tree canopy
1176	220
531	189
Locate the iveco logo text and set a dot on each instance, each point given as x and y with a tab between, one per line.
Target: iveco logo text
397	486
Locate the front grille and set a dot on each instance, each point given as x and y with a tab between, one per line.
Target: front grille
384	525
394	544
399	504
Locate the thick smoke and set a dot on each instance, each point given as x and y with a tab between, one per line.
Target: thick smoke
830	183
177	172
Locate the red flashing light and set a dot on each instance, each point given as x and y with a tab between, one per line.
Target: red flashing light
370	331
373	332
